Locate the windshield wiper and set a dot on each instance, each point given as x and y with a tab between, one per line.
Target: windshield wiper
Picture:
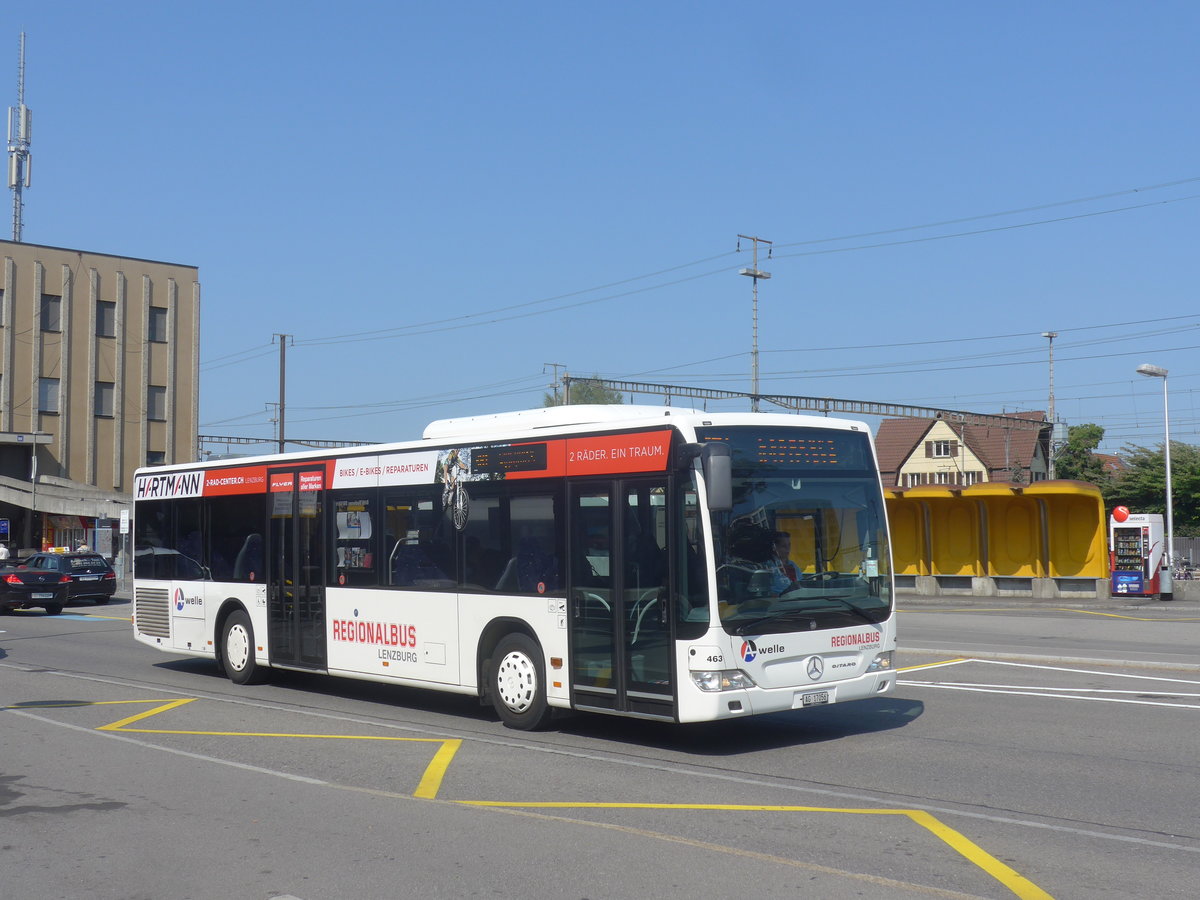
752	625
854	608
807	614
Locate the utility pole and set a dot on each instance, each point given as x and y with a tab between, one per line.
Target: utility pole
1050	336
554	383
273	418
20	122
283	342
755	273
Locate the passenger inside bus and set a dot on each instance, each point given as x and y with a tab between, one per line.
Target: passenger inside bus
784	571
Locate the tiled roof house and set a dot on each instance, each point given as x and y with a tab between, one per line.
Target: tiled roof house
941	451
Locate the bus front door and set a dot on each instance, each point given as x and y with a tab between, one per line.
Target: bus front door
296	577
620	621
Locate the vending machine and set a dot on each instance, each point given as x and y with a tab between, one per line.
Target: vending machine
1136	544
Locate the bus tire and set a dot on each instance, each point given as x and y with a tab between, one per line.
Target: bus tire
516	683
237	650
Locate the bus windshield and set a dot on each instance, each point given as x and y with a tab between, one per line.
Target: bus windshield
805	545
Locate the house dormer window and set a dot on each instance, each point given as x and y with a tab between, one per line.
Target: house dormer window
941	449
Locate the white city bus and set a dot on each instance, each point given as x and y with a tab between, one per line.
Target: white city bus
616	559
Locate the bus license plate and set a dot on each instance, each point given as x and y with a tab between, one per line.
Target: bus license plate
815	698
43	596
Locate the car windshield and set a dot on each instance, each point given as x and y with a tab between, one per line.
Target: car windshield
805	545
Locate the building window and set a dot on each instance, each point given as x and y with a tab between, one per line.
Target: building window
156	458
970	478
158	324
913	479
1	306
104	398
942	449
51	312
106	318
48	395
156	403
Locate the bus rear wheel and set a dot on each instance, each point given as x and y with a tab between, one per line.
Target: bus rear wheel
237	650
516	683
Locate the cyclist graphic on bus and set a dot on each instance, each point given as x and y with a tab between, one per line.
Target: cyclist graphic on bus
454	494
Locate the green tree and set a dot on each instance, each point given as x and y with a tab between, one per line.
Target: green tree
1077	459
583	391
1143	486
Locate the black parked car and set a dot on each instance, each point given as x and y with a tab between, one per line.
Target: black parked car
24	588
89	574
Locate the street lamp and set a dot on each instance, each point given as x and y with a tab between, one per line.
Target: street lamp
1167	585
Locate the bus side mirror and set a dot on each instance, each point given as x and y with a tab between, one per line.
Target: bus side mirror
718	471
718	476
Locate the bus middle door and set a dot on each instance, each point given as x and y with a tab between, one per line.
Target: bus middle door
296	579
618	600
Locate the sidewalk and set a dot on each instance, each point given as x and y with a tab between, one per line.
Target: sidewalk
1117	604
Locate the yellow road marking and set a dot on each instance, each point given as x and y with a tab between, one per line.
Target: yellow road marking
1066	609
64	704
123	723
947	662
1094	612
435	772
1018	884
431	779
756	855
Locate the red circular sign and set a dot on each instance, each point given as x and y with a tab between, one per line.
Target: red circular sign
1121	513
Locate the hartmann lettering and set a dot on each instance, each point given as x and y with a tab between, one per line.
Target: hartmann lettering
177	484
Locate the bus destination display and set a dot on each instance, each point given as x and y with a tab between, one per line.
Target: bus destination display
513	458
786	449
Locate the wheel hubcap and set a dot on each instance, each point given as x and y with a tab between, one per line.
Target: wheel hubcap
237	648
516	681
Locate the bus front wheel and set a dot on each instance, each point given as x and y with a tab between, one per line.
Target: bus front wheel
237	650
516	683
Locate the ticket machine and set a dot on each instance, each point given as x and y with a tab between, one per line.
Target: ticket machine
1136	544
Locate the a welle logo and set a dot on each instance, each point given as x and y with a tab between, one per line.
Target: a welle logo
751	650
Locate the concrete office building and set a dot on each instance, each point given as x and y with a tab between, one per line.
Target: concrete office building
99	360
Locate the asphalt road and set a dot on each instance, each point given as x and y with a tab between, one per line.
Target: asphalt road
1030	752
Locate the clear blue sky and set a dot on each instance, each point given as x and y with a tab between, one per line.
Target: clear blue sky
438	199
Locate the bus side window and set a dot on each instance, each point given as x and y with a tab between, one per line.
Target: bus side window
420	541
236	526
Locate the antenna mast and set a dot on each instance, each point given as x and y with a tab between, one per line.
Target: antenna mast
20	121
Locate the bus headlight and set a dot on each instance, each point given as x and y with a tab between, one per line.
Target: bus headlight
881	663
724	680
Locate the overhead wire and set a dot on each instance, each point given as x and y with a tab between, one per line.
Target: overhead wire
526	309
477	319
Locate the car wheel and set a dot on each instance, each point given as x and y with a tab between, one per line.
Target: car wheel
100	601
237	650
516	681
53	609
